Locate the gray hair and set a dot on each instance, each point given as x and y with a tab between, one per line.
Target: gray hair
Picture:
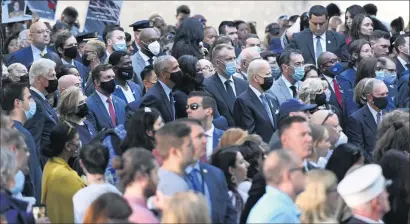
255	67
161	64
370	85
11	137
309	89
8	168
218	48
14	72
42	66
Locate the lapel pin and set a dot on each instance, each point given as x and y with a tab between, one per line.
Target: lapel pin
204	171
328	41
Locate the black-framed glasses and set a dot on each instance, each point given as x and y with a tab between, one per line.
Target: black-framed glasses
331	113
193	106
301	169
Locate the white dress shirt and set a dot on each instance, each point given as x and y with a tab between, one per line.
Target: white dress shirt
146	58
209	142
127	93
37	52
67	63
403	62
257	93
223	79
330	81
322	42
38	92
104	100
374	113
288	84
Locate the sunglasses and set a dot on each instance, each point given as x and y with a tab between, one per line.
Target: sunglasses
301	169
193	106
331	113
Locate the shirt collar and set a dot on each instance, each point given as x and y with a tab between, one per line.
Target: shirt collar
165	87
38	92
67	63
288	84
328	79
223	79
257	92
145	57
192	167
102	96
210	132
107	53
374	112
37	51
367	220
322	37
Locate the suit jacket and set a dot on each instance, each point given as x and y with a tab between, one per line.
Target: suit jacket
255	193
41	125
83	72
354	220
25	57
220	123
181	99
135	89
402	90
138	64
346	82
399	67
216	137
222	208
156	97
98	115
280	91
251	115
274	142
362	130
216	88
338	108
335	43
134	46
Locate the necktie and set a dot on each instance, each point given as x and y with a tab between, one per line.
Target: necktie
150	61
337	92
295	93
171	100
112	111
407	66
194	182
266	105
378	116
319	49
42	54
230	94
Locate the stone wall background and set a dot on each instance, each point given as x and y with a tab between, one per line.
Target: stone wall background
263	12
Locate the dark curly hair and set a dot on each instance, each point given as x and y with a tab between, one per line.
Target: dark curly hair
252	153
187	39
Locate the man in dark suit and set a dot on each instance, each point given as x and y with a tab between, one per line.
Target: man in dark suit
104	109
137	27
364	192
222	85
403	92
403	57
66	47
207	179
255	111
201	106
45	118
362	124
125	89
160	95
40	38
317	39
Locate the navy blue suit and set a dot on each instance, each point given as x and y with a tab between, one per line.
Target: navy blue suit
251	115
98	114
83	72
34	162
156	97
41	125
135	89
346	83
25	57
222	208
362	130
181	99
399	67
216	88
216	137
402	90
392	95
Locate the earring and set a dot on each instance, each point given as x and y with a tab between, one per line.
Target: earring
233	179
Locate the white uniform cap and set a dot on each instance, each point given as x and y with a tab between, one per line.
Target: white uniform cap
362	185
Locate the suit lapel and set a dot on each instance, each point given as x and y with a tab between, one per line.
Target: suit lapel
119	93
165	100
369	119
209	181
259	104
101	105
309	38
47	106
284	89
220	86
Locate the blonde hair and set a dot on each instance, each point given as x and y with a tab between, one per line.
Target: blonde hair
186	207
313	202
309	89
68	102
232	136
98	46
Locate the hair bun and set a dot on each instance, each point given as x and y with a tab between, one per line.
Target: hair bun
117	163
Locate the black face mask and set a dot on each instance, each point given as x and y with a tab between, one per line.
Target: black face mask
52	86
125	73
108	87
71	52
176	77
82	110
24	79
320	99
267	83
85	61
380	102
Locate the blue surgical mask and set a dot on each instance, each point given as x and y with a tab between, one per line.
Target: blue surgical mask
335	69
230	68
299	73
275	71
390	78
19	180
380	75
119	46
31	111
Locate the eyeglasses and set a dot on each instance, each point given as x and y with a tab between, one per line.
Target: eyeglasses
331	113
333	61
193	106
301	169
42	32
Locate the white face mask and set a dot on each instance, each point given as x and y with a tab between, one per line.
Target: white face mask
154	47
342	139
327	93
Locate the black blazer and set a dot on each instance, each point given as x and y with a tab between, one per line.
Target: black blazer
399	67
41	125
156	97
216	88
255	193
353	220
362	130
402	91
335	43
339	110
250	114
181	99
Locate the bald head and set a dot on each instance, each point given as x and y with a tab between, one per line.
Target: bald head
247	55
39	35
325	58
148	35
258	67
326	117
67	81
276	163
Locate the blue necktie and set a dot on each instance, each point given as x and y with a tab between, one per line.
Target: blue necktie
319	49
266	105
194	182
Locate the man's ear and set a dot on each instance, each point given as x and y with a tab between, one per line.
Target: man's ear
60	50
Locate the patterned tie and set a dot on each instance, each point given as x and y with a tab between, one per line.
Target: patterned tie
266	105
150	61
319	49
112	111
378	117
337	92
172	101
193	180
295	93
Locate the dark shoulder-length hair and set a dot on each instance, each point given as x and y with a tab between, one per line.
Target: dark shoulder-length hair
356	25
8	40
190	82
225	158
187	39
366	69
356	47
353	10
142	121
60	135
343	157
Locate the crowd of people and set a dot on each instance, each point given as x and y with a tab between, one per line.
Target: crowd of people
189	123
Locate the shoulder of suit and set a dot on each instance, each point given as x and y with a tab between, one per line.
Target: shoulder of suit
119	100
240	81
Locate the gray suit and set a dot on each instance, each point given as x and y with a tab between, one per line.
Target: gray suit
280	91
138	64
